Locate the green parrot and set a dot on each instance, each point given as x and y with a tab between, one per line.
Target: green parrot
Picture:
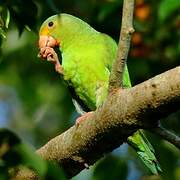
87	57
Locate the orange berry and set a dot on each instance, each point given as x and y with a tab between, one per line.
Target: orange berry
142	12
136	38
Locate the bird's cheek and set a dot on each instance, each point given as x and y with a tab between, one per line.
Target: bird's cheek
48	41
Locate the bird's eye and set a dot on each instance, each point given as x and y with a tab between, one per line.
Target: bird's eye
50	24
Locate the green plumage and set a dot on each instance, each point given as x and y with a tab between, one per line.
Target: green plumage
87	58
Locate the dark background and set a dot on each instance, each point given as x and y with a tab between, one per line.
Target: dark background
34	101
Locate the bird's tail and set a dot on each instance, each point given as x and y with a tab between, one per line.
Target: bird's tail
144	149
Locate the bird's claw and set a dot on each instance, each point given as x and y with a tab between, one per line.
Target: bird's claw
50	55
59	68
83	117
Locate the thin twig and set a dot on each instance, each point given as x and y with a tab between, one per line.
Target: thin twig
116	77
167	135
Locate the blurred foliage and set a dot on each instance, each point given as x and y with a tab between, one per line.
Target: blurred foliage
14	153
4	22
35	102
114	172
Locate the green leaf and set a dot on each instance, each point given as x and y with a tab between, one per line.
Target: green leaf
4	17
7	19
167	7
4	22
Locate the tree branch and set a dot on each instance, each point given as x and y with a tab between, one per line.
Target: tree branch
167	135
124	111
116	77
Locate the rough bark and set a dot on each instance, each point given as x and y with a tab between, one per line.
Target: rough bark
124	111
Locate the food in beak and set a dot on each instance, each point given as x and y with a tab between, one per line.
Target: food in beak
46	45
47	41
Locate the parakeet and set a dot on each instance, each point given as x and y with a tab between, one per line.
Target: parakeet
87	58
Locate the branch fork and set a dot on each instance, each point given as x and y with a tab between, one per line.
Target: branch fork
116	77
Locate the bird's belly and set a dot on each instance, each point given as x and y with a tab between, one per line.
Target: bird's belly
85	89
85	84
86	78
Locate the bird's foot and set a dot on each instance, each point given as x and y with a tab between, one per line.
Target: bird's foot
51	56
83	117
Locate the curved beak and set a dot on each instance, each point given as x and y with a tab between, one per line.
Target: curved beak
48	41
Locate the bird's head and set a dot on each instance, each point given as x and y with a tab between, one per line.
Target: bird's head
48	35
63	30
